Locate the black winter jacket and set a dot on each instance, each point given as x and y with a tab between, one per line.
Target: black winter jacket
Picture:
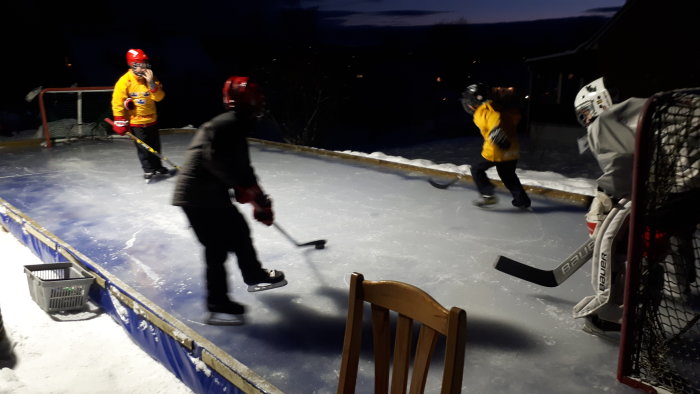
217	161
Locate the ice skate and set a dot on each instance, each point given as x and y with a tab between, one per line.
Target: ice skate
602	328
485	201
225	319
268	279
228	313
159	174
164	171
522	205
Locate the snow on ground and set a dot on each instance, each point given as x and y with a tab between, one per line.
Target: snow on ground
52	355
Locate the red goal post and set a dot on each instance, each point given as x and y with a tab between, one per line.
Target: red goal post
74	112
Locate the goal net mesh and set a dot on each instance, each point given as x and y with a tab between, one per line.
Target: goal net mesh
75	113
660	345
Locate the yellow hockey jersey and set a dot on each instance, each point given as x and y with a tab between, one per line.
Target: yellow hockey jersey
131	86
487	117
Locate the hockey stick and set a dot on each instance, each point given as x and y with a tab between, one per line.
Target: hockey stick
549	278
318	244
145	145
460	176
441	185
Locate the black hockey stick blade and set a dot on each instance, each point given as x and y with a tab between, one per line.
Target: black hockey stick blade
442	185
526	272
548	278
318	244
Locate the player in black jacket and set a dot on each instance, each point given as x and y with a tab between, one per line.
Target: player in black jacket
218	168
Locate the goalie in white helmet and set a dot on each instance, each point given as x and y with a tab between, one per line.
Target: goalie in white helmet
611	138
611	130
591	101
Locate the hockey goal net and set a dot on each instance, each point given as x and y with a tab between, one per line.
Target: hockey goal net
73	113
660	343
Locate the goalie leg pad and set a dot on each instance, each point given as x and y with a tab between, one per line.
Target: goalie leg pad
606	267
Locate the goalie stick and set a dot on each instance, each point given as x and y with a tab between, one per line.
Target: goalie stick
549	278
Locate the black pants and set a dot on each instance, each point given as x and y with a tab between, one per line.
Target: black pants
222	230
506	170
151	136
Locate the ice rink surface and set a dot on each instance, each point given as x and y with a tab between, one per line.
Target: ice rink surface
385	223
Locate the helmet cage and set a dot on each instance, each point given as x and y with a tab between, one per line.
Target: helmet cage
473	96
591	101
135	65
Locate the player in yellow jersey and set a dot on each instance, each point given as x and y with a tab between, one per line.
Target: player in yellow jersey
498	126
134	109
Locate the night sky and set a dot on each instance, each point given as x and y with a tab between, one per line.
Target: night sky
194	48
421	12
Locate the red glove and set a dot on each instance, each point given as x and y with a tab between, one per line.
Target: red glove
245	195
262	210
262	205
121	125
129	104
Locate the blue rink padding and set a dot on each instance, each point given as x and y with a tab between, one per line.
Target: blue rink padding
196	361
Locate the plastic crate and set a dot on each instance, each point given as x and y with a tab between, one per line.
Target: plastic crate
58	287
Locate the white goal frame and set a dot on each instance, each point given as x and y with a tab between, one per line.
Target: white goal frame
78	103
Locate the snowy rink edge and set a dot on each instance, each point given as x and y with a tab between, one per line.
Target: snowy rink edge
132	310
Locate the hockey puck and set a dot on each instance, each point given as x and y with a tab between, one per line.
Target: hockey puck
320	246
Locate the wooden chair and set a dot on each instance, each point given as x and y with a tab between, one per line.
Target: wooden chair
410	304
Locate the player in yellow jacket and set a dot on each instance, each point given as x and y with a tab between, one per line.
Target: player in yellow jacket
498	125
134	109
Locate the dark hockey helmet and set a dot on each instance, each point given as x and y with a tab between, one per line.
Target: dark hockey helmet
473	96
241	95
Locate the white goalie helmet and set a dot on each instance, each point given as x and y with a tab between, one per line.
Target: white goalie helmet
591	101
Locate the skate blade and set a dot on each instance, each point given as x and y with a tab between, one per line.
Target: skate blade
266	286
612	336
225	319
484	206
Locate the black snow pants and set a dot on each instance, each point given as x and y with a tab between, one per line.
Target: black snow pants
222	230
151	136
506	171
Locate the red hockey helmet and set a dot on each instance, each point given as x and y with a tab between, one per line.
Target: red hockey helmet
241	95
136	56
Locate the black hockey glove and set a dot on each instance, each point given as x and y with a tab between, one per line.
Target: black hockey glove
499	138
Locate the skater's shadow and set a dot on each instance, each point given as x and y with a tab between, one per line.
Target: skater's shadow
303	328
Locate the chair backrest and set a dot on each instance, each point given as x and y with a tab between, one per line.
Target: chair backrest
410	304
